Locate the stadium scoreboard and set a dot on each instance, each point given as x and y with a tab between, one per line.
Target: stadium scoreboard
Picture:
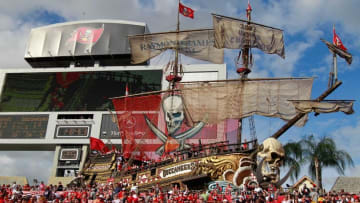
23	126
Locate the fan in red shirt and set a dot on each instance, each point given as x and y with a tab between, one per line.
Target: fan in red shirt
156	199
2	198
133	197
210	198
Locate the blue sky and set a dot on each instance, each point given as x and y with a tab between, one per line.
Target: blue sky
304	22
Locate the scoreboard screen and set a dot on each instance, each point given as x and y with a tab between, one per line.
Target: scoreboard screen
72	131
73	91
23	126
69	154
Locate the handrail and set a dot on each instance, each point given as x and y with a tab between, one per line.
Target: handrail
206	150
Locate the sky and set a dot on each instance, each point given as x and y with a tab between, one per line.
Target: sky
304	22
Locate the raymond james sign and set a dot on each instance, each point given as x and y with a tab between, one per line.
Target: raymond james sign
197	44
177	170
184	45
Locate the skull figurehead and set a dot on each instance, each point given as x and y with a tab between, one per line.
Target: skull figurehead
174	113
273	154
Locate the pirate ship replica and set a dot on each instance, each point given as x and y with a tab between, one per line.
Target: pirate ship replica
195	104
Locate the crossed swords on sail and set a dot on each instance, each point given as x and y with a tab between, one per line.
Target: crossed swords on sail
180	138
173	110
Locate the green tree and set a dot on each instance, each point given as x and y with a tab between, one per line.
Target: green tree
293	158
319	154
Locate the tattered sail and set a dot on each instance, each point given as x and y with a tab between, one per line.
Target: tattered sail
198	44
217	101
236	34
334	49
324	107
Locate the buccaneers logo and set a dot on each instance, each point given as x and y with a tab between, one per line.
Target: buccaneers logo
86	35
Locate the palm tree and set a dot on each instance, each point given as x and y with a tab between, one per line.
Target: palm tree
321	154
293	158
324	154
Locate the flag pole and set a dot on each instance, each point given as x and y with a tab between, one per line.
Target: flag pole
178	18
335	59
177	45
335	67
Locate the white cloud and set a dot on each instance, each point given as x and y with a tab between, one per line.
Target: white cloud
32	164
352	139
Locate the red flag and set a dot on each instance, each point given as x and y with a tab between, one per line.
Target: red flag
97	144
248	9
186	11
337	41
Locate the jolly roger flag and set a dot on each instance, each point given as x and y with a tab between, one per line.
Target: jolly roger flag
186	11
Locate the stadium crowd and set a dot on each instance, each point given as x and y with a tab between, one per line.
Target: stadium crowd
116	193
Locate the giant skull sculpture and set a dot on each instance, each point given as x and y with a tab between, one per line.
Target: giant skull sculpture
174	113
271	158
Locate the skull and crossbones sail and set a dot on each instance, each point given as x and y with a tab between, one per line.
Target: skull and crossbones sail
173	109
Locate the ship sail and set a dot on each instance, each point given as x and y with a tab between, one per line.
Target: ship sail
328	106
236	34
237	99
197	44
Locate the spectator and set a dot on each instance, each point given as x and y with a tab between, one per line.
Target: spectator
314	195
42	186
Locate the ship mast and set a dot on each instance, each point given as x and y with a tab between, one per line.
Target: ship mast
176	78
333	73
243	72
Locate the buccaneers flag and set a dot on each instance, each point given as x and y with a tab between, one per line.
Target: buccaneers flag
97	144
337	41
186	11
337	50
248	9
